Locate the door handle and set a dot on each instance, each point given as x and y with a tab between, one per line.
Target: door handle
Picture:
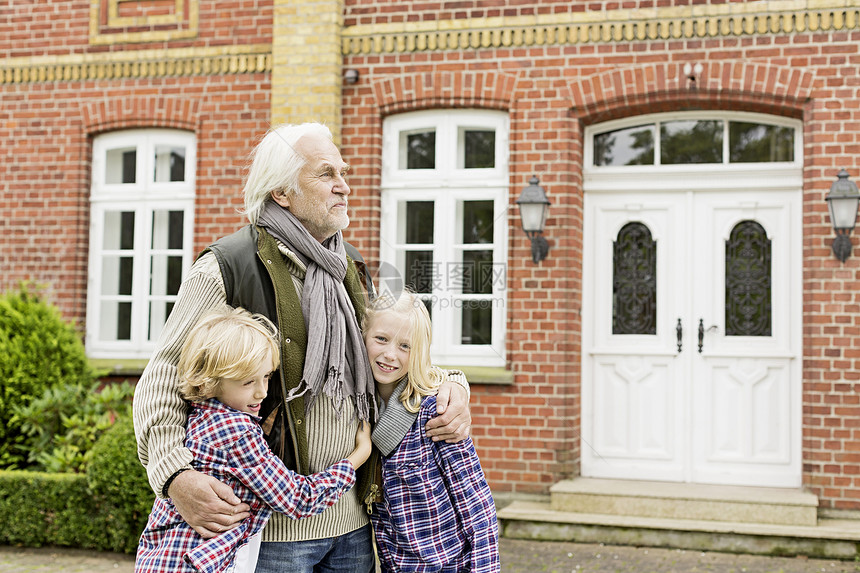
701	334
679	330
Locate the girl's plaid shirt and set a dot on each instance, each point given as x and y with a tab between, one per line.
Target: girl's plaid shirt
437	513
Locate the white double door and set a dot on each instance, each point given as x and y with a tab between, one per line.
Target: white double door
671	391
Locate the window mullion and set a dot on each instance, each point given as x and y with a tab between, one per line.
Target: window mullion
142	274
499	265
443	314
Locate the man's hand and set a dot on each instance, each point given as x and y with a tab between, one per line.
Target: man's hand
453	422
209	506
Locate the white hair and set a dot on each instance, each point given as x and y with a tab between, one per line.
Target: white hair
275	164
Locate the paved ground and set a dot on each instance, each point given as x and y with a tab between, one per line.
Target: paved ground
517	557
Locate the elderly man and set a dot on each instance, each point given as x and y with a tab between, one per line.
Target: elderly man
290	265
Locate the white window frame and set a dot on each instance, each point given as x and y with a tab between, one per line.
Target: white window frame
676	177
144	197
448	185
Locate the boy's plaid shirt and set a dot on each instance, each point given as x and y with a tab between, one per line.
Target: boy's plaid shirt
437	513
229	445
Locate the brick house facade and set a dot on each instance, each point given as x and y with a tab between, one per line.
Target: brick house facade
543	77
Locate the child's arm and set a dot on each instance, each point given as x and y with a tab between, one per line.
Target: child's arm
282	489
363	445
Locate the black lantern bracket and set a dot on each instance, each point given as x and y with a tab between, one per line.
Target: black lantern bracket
540	246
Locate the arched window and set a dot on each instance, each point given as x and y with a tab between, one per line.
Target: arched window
141	210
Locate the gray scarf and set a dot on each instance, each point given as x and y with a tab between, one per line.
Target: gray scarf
394	421
336	360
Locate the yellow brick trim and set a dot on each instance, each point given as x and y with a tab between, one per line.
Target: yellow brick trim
306	62
138	64
186	25
671	23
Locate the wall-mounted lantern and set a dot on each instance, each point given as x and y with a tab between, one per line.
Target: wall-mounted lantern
533	207
842	201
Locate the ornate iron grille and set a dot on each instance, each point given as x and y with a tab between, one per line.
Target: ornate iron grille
634	285
748	281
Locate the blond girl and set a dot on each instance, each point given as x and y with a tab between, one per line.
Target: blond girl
436	512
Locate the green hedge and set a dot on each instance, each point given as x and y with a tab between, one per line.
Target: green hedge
106	509
48	509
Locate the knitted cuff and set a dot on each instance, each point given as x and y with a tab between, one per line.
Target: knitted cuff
459	378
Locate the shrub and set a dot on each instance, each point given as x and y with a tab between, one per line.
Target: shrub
38	350
119	486
62	425
47	509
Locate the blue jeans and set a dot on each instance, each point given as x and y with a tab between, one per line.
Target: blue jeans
348	553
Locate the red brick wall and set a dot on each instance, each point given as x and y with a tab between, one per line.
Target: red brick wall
46	131
528	434
55	27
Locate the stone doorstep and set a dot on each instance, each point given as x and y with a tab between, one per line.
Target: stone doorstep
836	529
831	538
686	502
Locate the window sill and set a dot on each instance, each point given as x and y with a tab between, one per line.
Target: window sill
495	375
120	366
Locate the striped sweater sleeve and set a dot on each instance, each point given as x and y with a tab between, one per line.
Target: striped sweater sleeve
160	413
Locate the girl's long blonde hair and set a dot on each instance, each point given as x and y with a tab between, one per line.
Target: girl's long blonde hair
423	378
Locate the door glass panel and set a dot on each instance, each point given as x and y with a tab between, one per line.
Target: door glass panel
418	150
748	281
169	163
759	143
687	142
419	222
479	149
634	285
477	322
628	146
121	165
